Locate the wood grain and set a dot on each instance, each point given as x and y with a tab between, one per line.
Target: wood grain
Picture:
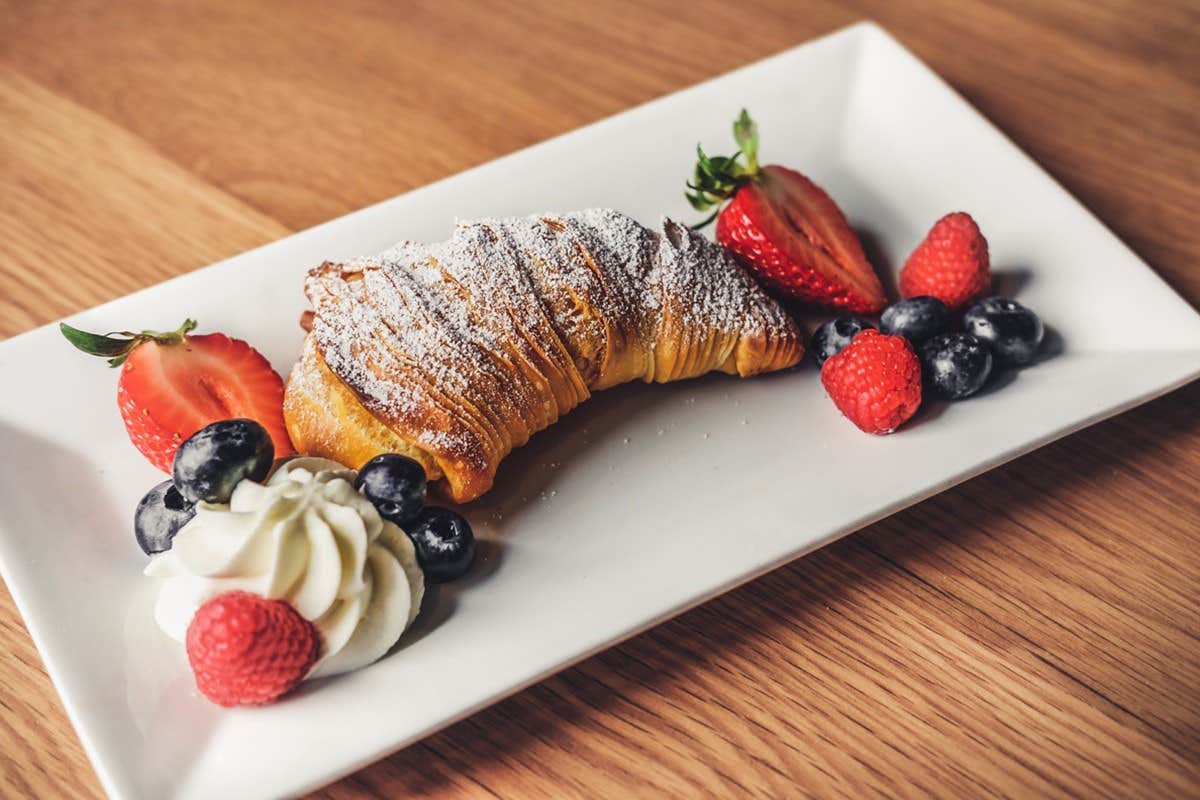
1034	632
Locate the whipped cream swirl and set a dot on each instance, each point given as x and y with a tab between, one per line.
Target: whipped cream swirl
308	537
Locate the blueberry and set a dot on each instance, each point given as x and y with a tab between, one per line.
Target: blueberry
214	459
1011	330
444	542
395	485
955	365
159	516
835	334
916	319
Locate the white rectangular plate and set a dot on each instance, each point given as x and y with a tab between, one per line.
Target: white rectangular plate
645	501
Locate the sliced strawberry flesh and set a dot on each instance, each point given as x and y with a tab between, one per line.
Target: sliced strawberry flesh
804	222
184	387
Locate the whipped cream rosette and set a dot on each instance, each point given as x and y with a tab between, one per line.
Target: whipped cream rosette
307	537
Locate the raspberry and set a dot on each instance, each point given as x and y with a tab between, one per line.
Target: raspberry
246	650
875	381
951	264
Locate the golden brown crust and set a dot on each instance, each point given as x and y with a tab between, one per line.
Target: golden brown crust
455	354
326	418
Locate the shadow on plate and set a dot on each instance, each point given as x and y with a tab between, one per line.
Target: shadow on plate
877	255
1010	281
1053	346
523	481
528	471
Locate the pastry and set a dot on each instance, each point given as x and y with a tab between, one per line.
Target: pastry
456	353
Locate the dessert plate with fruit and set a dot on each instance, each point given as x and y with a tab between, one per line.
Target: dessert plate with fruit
380	486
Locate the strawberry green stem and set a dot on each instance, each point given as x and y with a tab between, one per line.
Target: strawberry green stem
717	178
116	346
745	133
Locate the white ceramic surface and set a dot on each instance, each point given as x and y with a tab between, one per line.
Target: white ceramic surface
636	506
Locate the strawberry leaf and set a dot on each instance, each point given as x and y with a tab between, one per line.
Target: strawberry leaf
723	166
705	221
95	344
704	164
745	133
117	346
700	201
717	178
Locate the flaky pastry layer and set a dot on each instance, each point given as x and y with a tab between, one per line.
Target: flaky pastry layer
456	353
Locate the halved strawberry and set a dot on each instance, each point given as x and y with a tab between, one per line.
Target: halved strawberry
784	228
173	384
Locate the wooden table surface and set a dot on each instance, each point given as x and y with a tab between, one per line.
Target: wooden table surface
1033	632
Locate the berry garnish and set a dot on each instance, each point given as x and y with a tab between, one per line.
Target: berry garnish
955	365
444	542
875	381
784	228
1009	329
173	384
951	263
159	516
246	650
212	461
834	335
916	319
395	485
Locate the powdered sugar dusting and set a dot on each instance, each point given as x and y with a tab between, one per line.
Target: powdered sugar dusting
470	346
